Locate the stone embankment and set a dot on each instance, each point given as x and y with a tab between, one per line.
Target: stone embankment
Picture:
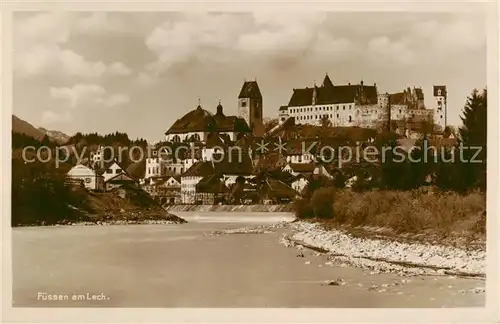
230	208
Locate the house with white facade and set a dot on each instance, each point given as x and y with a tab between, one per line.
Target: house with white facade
92	180
111	170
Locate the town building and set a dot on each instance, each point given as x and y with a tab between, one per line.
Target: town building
119	180
196	125
166	189
192	177
440	113
250	107
92	179
111	170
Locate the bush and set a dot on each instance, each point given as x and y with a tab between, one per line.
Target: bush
302	208
322	203
412	211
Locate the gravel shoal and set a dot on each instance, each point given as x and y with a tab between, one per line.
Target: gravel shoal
388	256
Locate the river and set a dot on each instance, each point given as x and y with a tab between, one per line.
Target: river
185	266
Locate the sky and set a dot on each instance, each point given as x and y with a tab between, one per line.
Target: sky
137	72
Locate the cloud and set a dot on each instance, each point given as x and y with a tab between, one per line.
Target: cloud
147	79
99	23
118	68
450	36
336	49
194	37
38	46
88	95
50	117
397	51
221	38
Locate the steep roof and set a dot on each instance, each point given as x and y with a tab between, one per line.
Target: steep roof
199	169
278	189
398	98
282	108
250	89
233	164
211	184
331	94
327	82
121	178
200	120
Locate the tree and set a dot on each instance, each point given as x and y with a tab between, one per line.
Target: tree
473	135
46	141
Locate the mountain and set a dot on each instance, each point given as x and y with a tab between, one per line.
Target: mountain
55	136
23	127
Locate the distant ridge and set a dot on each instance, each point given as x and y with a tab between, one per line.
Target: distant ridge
23	127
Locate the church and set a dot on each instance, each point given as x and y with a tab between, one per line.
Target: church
196	125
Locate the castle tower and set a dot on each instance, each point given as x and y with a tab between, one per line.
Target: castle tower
250	106
440	111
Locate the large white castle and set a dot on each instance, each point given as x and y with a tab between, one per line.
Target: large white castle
361	105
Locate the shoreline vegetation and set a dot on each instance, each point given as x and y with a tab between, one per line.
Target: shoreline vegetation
424	214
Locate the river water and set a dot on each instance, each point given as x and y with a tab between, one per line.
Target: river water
185	266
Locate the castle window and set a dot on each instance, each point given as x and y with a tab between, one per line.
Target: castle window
243	104
337	115
350	118
343	107
337	108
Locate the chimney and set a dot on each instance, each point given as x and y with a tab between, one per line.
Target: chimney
361	82
349	83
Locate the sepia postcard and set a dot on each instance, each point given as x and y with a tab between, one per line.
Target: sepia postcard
244	162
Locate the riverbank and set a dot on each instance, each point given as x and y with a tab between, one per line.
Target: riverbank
402	257
118	218
231	208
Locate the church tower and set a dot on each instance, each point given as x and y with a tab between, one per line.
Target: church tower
440	111
250	106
